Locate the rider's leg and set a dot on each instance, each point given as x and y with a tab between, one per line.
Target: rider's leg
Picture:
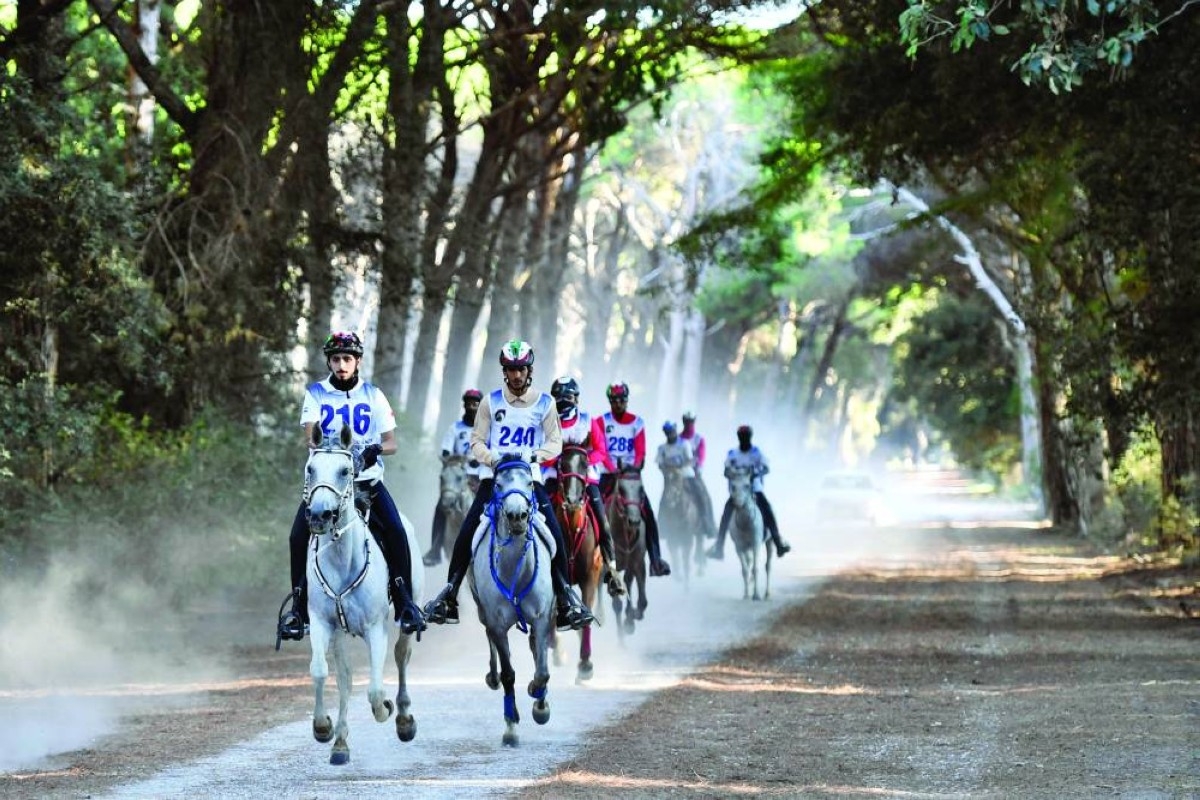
658	567
704	503
717	551
781	547
572	613
293	622
444	607
607	555
393	540
434	555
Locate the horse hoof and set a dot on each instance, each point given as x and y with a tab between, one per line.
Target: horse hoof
339	757
510	739
323	731
585	672
406	728
492	680
629	625
541	712
385	711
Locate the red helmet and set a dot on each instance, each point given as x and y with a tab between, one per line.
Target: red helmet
472	394
516	353
618	391
343	342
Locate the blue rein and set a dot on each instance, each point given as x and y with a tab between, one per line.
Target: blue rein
494	507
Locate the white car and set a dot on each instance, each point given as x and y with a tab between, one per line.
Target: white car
849	495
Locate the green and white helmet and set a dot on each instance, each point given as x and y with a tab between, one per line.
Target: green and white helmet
516	353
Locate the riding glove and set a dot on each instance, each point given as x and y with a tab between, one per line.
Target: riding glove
370	455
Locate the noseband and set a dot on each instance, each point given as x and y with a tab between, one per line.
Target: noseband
342	495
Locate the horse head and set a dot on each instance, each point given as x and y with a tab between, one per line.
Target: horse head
329	480
572	474
740	491
453	481
629	495
513	495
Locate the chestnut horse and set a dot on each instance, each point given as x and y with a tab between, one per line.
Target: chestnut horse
628	528
581	537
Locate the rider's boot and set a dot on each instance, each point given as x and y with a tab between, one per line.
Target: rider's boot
409	617
616	587
571	613
443	609
717	551
658	567
433	556
293	622
781	547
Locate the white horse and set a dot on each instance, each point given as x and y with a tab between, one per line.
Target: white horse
455	493
746	532
510	581
681	523
348	594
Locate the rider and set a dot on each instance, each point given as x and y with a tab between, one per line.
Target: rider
516	420
577	429
748	456
345	397
676	453
690	435
456	442
624	436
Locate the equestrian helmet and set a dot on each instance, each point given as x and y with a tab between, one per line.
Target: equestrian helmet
745	430
618	391
669	427
689	416
343	342
564	386
472	395
516	353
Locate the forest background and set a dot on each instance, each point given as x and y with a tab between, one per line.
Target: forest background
885	232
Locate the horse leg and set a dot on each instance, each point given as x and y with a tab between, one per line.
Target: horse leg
381	706
585	671
643	602
345	681
744	558
767	576
492	679
754	573
539	686
508	679
406	724
322	725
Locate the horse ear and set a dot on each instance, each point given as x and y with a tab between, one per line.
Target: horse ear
317	435
347	437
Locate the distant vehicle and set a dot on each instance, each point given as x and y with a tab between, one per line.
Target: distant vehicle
849	495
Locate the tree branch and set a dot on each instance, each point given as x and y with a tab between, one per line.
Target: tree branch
164	95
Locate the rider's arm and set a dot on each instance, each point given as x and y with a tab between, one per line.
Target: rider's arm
448	440
699	451
480	433
639	448
600	441
762	467
660	457
551	438
388	442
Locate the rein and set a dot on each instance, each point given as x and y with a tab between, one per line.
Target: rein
513	595
345	497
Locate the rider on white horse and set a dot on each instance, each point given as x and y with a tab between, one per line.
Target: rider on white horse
676	453
749	457
456	442
624	437
344	398
512	420
577	429
699	450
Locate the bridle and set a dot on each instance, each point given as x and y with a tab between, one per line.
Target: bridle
342	495
345	498
495	510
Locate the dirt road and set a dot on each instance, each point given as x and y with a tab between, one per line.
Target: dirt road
937	660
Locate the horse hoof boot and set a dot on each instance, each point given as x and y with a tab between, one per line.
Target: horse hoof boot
782	549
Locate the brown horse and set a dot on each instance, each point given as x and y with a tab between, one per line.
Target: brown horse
581	537
628	528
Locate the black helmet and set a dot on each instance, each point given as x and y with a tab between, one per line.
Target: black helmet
343	342
745	431
472	394
566	385
516	353
689	416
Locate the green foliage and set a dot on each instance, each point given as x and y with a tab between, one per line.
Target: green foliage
955	367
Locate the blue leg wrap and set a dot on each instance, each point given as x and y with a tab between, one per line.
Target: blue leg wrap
510	708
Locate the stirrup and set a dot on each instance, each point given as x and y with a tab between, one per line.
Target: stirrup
291	625
572	613
659	568
411	619
443	609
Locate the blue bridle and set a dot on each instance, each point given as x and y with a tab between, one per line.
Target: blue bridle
513	595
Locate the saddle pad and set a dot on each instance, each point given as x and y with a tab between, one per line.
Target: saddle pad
539	525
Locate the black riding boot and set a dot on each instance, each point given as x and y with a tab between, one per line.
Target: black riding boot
616	587
293	613
433	556
658	566
781	547
717	551
571	614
